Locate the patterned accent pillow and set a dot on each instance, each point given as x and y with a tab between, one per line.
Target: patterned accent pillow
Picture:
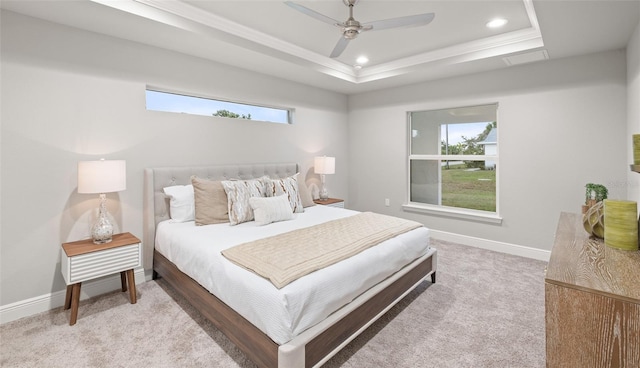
270	209
288	186
238	194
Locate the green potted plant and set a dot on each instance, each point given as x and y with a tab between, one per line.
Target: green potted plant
595	193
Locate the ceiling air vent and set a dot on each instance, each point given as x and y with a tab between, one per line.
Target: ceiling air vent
529	57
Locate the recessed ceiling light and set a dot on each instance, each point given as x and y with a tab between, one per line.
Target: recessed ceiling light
357	66
497	23
362	60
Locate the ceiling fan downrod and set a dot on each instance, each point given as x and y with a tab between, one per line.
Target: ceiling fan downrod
351	27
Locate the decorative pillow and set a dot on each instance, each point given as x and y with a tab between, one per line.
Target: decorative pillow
210	202
181	202
305	195
238	194
271	209
288	186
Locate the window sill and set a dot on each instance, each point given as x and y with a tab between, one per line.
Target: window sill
479	216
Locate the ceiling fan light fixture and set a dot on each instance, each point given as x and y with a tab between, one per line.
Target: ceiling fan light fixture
497	23
350	33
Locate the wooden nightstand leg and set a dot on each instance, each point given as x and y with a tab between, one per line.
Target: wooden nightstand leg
123	281
75	302
132	286
67	297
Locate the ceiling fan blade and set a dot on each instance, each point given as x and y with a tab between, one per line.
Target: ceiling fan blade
408	21
313	13
340	46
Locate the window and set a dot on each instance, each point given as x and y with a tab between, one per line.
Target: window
453	161
180	103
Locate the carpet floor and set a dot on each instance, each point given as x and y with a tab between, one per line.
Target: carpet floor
486	310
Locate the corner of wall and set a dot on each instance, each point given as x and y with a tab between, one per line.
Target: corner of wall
633	108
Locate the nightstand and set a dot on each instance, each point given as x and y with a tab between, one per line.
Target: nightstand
83	261
331	202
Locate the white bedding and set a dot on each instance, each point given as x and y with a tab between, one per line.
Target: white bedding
282	313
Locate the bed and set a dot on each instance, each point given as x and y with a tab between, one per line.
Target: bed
306	332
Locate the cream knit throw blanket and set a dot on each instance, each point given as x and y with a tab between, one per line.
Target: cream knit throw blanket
286	257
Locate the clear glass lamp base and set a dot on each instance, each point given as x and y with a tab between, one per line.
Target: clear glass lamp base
102	230
324	193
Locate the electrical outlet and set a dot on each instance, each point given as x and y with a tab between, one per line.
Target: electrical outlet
386	202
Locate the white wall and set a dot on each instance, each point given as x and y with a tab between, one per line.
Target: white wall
633	109
575	109
70	95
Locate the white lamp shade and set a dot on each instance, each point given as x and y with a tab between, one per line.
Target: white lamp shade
104	176
325	165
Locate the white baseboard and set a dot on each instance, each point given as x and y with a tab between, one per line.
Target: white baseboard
518	250
43	303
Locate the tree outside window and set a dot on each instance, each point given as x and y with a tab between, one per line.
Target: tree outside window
453	158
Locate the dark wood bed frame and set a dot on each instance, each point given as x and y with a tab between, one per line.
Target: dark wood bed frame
258	346
349	322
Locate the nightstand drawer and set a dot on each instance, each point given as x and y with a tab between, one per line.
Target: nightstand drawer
96	264
337	204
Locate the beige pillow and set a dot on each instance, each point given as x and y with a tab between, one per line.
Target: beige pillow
210	201
305	195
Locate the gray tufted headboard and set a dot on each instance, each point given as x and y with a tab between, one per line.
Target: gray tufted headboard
156	204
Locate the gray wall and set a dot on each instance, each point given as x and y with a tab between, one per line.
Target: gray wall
562	125
70	95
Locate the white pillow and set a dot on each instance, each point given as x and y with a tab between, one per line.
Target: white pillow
271	209
181	202
238	194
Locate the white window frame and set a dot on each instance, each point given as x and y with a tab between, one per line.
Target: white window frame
454	212
289	111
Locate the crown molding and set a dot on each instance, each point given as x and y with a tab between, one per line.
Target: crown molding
186	16
266	43
500	45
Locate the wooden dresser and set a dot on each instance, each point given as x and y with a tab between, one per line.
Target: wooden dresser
592	301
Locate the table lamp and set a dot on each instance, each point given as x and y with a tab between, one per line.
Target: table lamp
324	165
103	176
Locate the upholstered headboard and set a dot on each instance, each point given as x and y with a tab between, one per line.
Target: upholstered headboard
156	204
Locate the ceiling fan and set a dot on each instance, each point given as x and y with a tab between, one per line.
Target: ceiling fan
351	28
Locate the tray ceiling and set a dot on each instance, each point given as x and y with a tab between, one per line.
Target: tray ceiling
271	37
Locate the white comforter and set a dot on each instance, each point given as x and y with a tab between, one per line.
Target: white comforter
282	314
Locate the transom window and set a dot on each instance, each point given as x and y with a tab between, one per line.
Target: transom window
185	104
453	160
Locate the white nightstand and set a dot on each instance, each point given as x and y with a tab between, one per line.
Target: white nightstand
331	202
83	261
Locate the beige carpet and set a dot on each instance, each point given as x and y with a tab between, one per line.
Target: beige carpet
486	310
